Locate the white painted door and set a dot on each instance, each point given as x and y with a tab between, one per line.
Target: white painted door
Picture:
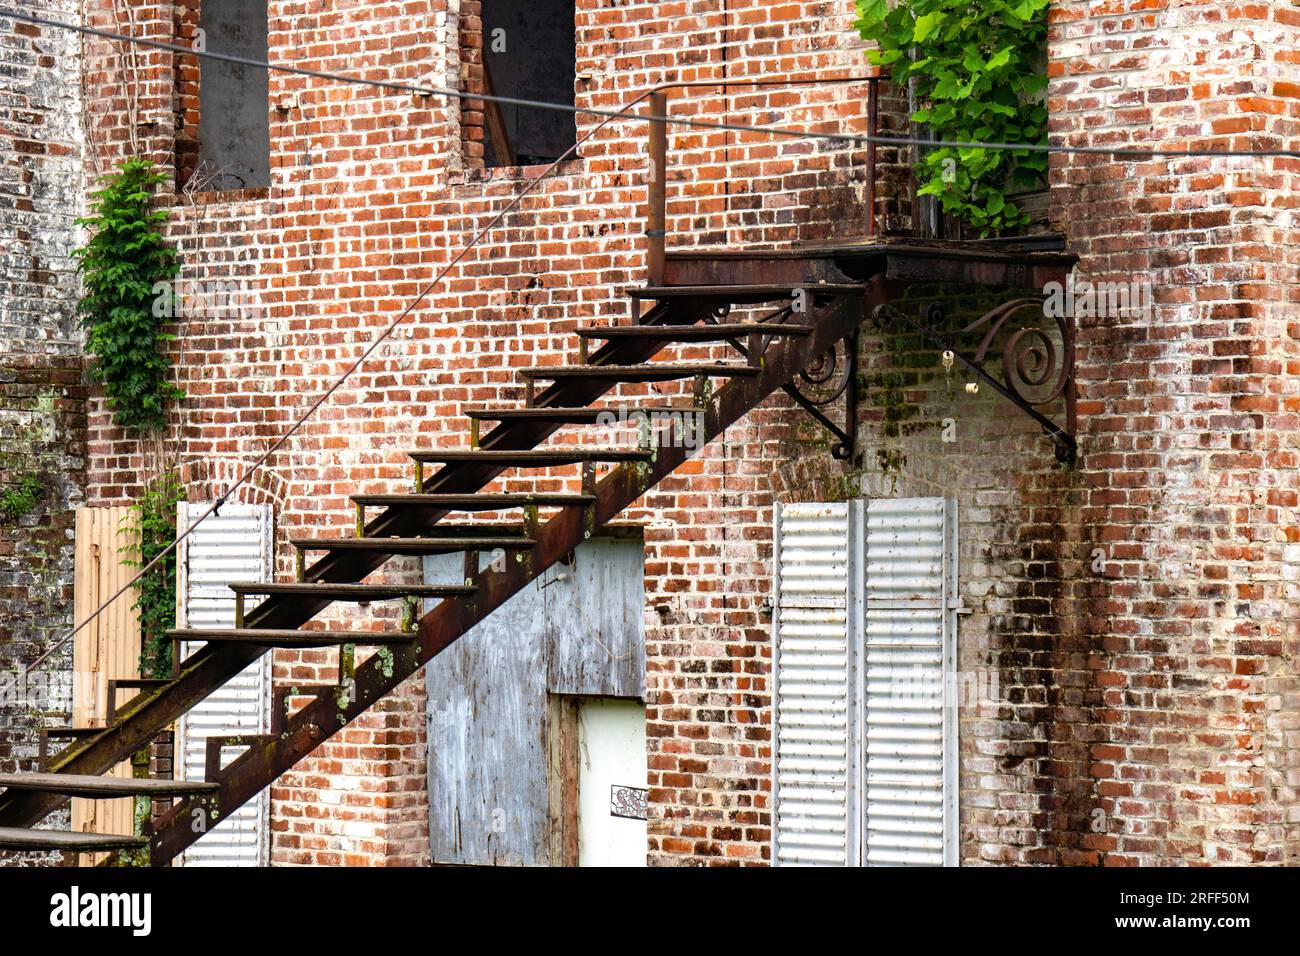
611	783
234	545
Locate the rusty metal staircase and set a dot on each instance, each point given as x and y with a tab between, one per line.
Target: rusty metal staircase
774	350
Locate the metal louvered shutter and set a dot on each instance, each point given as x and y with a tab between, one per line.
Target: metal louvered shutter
814	765
864	758
234	545
909	801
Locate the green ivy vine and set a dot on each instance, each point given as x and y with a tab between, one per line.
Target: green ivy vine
976	68
124	265
127	269
151	528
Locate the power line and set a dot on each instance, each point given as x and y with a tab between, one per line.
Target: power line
857	139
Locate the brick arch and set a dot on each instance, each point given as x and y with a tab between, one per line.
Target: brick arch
209	478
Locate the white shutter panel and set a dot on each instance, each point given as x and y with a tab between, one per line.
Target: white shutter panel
234	545
814	763
910	574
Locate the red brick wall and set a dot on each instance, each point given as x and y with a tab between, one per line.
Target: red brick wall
185	90
370	196
470	77
1157	693
1146	713
1189	476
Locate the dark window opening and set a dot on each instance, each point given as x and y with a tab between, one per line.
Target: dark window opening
526	49
223	135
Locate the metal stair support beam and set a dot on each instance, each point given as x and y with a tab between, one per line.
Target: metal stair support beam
438	629
143	717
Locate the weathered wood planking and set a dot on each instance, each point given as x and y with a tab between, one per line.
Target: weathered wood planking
490	793
106	649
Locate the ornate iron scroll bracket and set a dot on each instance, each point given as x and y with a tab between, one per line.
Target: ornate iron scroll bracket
832	376
822	383
1036	369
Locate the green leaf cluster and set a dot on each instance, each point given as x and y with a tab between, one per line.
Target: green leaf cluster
21	497
126	257
977	71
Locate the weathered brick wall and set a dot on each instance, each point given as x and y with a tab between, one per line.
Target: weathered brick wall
1023	704
371	194
185	91
1163	701
1190	419
1146	712
40	123
42	400
42	424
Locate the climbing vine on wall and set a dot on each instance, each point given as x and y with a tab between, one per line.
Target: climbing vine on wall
976	70
152	528
126	268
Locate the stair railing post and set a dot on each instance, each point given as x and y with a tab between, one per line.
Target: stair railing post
873	103
656	217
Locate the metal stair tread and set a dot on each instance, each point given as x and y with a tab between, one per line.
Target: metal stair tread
644	372
20	839
375	591
71	733
413	545
577	413
476	502
101	788
558	455
741	293
272	637
691	333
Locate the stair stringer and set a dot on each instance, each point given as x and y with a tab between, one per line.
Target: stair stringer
438	629
140	720
259	766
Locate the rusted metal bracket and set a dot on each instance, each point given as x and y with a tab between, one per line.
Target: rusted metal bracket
1034	371
824	378
829	383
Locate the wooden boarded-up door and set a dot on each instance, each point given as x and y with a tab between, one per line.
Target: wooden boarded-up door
106	649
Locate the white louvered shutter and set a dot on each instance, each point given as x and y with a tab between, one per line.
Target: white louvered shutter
813	757
234	545
864	751
909	559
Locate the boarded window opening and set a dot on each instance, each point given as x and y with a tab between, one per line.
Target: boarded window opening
524	49
223	135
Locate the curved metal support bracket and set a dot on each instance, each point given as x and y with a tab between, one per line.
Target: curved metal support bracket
826	383
824	379
1033	374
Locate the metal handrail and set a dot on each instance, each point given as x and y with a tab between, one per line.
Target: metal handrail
657	214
